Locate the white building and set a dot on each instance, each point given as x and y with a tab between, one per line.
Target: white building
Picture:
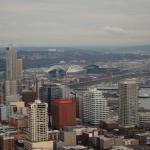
37	135
128	103
38	122
95	107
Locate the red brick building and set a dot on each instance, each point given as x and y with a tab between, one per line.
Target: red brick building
63	113
6	143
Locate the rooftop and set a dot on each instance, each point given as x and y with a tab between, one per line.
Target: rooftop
129	81
75	147
62	101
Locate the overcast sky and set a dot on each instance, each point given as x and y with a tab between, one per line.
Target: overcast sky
75	22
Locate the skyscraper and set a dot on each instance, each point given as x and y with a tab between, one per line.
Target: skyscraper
63	113
37	135
38	122
19	74
49	92
10	87
11	64
13	72
128	103
95	107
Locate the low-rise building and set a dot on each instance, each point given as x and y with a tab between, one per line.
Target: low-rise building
18	121
144	119
77	147
142	137
121	148
7	142
54	135
48	145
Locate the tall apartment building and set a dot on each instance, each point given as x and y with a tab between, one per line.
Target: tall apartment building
37	135
38	122
128	102
95	107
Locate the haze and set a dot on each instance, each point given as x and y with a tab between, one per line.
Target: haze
75	22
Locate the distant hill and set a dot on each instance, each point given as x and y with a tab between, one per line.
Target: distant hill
112	49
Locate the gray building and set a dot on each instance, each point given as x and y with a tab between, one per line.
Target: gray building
49	92
11	64
128	103
13	72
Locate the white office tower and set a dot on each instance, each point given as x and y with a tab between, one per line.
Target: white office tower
128	103
95	107
38	121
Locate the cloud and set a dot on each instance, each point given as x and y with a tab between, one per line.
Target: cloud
115	30
75	21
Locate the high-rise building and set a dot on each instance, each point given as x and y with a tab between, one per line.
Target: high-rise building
37	135
48	92
13	72
95	107
19	71
10	87
1	92
11	64
38	122
128	102
63	113
51	91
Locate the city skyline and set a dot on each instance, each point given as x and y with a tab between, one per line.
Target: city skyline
75	22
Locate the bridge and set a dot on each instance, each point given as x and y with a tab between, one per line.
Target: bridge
108	79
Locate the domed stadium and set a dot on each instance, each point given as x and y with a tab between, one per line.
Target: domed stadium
56	71
73	69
